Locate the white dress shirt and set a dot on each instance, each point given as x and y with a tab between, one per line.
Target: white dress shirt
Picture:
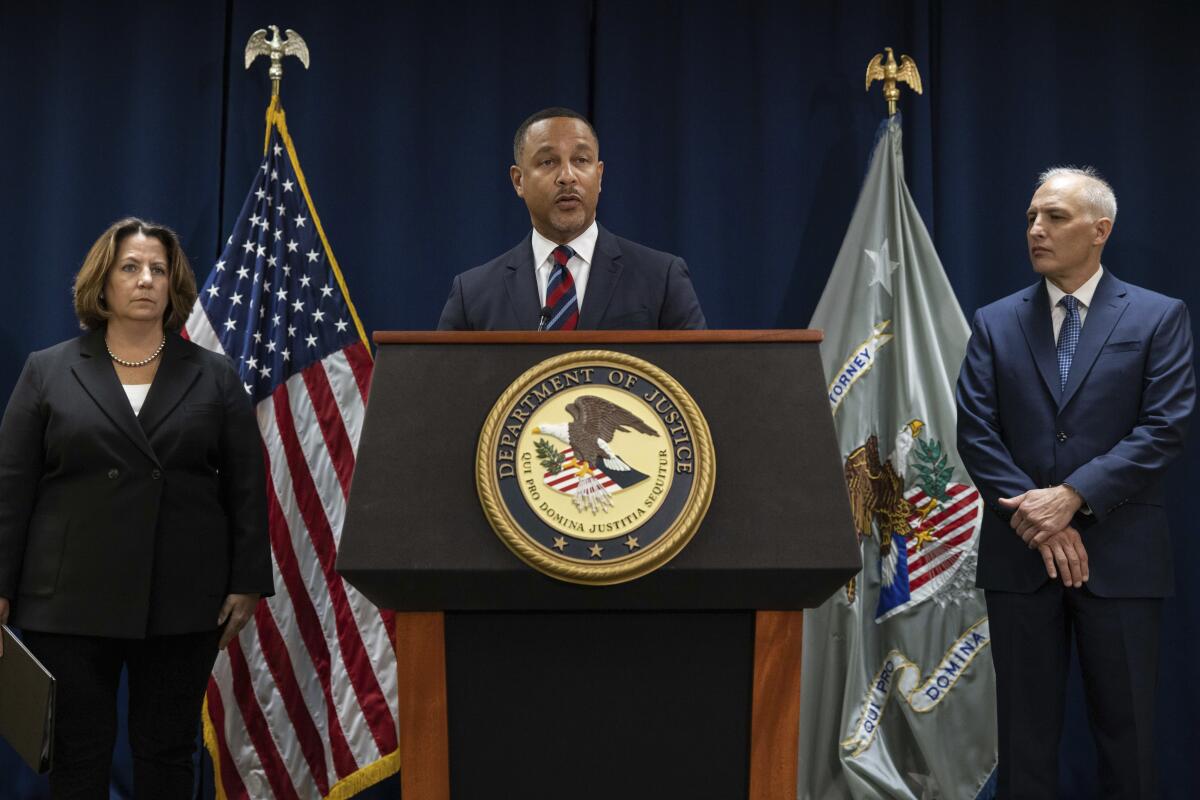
1083	294
579	266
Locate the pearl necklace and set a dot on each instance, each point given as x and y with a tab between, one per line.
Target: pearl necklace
141	363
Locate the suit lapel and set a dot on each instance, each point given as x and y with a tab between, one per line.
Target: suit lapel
521	284
176	374
95	373
1034	316
603	277
1108	305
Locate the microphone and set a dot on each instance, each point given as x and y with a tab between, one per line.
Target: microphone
546	312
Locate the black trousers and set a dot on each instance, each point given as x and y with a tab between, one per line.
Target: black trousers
167	679
1118	641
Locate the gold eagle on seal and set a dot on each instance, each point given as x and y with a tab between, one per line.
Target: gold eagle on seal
594	423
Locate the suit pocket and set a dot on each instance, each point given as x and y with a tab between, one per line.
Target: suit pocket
203	408
190	438
43	558
1121	347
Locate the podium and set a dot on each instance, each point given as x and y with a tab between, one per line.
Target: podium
681	683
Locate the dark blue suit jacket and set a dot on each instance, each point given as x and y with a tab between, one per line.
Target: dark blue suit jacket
629	287
1110	433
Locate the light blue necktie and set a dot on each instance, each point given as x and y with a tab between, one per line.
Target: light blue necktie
1068	338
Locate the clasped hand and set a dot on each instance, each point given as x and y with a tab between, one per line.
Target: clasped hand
1042	519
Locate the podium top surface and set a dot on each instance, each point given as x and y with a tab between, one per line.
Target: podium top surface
595	337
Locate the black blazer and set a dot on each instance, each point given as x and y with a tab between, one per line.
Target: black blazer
630	287
124	526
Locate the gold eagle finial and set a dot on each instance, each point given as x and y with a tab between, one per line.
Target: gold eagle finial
276	48
892	73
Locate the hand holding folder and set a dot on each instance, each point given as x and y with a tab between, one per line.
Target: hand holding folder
26	701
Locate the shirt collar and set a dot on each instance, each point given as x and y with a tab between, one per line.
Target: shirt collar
1083	294
584	245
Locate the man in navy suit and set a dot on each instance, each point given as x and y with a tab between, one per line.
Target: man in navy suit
1074	397
569	272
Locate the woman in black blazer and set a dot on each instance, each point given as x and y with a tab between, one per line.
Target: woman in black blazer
133	525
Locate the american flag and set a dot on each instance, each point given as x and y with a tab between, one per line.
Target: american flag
303	703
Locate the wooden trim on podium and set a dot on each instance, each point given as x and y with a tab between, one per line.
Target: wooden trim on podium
775	715
593	337
774	725
421	679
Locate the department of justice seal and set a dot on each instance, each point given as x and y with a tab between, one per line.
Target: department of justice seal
595	467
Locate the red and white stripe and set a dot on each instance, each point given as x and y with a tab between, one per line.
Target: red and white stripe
302	705
566	480
954	525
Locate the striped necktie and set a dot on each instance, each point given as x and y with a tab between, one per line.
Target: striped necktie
1068	338
560	293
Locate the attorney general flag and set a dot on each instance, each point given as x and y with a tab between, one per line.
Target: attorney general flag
898	687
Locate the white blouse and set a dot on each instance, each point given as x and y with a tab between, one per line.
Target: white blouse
137	395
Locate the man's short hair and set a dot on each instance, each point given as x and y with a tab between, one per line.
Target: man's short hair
538	116
1096	191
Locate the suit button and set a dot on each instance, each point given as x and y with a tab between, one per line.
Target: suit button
113	474
1062	437
156	474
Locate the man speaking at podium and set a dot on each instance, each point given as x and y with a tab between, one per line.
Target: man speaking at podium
569	273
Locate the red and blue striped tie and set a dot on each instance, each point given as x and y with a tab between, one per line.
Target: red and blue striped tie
560	293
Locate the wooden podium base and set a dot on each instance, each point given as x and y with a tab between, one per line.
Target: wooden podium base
775	715
421	677
775	720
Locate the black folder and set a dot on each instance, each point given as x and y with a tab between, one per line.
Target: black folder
26	703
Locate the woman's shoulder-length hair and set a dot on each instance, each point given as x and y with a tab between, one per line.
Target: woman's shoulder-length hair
90	307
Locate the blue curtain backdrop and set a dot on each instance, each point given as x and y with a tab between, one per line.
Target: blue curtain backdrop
734	133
